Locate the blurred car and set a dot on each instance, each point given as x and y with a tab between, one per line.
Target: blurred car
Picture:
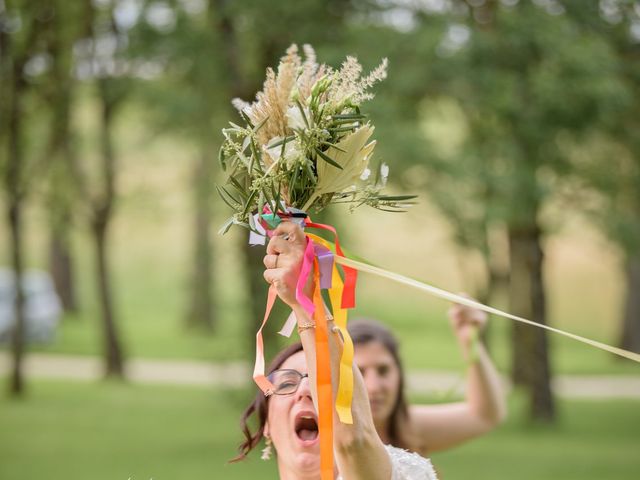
42	306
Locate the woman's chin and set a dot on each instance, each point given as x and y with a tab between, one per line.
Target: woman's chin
308	460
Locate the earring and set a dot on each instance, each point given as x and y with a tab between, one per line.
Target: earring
266	451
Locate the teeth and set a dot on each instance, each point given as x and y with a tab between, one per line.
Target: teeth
306	417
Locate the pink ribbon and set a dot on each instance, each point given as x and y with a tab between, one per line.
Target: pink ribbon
307	266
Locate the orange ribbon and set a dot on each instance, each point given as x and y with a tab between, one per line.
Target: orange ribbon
323	380
258	369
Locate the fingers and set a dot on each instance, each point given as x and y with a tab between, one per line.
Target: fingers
285	253
273	277
279	244
465	314
286	237
285	286
270	261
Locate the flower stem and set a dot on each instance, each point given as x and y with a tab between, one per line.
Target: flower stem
307	205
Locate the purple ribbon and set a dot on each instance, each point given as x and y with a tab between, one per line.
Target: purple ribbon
325	262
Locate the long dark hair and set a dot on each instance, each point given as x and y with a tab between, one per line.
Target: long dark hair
260	407
364	331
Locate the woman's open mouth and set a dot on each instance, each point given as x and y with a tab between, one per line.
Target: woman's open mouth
306	427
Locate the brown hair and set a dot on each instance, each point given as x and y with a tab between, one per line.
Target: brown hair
364	331
260	406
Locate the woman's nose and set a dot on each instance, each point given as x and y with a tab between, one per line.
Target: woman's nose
372	381
304	389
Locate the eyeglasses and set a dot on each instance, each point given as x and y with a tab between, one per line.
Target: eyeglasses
286	381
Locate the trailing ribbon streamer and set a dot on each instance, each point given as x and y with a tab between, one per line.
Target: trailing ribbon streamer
258	370
344	396
438	292
307	265
323	381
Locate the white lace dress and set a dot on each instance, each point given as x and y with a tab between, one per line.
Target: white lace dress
409	466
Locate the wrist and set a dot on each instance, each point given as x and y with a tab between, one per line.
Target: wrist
302	316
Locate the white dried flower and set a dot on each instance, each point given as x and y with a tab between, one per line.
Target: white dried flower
291	152
365	174
384	173
295	120
240	105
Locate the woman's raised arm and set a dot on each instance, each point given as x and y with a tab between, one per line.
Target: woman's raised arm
359	451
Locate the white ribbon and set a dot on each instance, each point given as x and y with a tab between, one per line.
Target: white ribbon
438	292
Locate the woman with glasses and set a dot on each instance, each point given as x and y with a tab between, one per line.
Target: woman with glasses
288	419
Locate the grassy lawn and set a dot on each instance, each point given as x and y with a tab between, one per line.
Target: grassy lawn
107	431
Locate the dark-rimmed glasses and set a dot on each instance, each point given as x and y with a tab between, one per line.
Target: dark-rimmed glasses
286	381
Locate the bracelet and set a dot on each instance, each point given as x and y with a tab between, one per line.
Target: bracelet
305	326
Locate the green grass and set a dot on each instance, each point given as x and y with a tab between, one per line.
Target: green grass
592	439
109	431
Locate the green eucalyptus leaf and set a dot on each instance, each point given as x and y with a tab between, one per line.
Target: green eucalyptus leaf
328	159
221	159
249	203
226	226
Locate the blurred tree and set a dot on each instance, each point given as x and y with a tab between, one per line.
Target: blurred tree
210	53
538	76
65	30
180	40
423	130
100	60
609	163
21	45
517	79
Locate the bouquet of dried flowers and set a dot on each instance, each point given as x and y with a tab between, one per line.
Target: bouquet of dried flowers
305	143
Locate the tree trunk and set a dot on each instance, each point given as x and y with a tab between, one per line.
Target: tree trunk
61	265
530	366
201	311
102	211
14	218
113	356
62	187
630	335
14	188
16	386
